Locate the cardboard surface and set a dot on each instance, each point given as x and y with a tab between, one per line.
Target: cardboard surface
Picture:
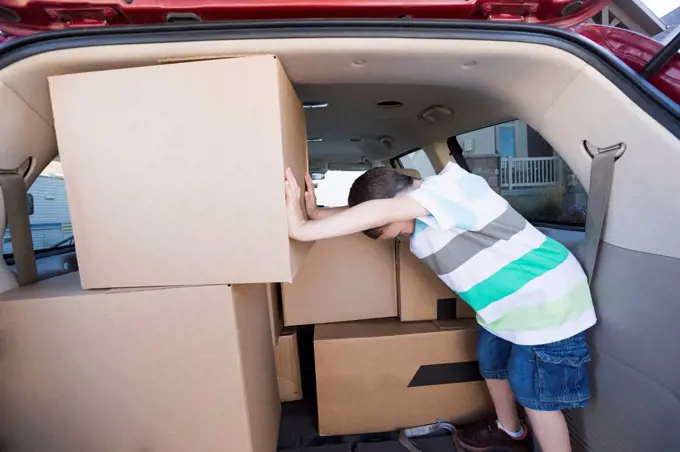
288	367
183	186
422	295
144	370
275	311
384	375
343	279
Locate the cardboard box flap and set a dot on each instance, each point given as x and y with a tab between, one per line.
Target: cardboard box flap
65	286
459	324
288	367
370	328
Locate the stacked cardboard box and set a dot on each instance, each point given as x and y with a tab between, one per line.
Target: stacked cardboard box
173	369
171	335
165	339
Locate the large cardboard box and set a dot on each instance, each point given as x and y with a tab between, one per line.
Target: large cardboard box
288	367
422	295
177	178
168	370
343	279
384	375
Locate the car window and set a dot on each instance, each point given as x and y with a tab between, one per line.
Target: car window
523	167
50	220
417	160
333	189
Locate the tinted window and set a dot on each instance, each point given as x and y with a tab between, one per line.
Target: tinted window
50	221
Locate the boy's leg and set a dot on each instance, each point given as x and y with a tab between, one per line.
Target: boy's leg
550	430
504	403
547	379
493	354
507	434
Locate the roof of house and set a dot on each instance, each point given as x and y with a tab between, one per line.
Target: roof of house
636	11
672	20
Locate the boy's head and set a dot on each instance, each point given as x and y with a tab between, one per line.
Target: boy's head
382	183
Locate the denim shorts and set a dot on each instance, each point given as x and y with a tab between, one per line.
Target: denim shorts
549	377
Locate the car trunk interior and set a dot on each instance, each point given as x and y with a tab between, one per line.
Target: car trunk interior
478	83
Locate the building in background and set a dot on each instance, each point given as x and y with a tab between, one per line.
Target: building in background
672	23
50	221
632	15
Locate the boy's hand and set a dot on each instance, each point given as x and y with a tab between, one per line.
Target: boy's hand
296	218
310	199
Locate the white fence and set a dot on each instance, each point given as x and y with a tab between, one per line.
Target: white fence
529	172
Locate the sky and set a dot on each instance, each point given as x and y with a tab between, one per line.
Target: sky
661	7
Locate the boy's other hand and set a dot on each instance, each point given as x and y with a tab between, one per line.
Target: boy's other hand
294	214
310	198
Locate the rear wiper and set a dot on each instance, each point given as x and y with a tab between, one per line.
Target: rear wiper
66	242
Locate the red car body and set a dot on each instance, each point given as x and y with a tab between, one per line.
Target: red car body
24	17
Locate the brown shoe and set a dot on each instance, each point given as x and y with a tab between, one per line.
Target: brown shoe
487	437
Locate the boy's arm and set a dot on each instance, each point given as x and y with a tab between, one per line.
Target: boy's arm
367	215
326	212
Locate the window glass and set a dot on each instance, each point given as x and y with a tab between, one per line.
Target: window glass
506	140
333	189
418	160
518	163
50	221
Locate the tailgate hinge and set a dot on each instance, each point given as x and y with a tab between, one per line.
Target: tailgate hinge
508	13
83	16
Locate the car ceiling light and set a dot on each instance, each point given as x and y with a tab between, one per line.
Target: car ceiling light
314	105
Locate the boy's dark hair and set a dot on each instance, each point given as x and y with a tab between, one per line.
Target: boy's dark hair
381	182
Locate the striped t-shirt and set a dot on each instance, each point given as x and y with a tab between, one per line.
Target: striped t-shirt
525	287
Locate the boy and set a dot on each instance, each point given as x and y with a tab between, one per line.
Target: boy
531	295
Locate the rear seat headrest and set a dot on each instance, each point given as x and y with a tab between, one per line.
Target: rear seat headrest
410	172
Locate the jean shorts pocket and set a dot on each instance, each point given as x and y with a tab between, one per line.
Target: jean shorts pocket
562	376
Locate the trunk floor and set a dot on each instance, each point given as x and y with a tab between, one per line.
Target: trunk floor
298	433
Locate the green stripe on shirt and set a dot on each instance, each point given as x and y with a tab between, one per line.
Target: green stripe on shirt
545	315
516	274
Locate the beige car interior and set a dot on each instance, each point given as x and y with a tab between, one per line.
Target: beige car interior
482	83
443	88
